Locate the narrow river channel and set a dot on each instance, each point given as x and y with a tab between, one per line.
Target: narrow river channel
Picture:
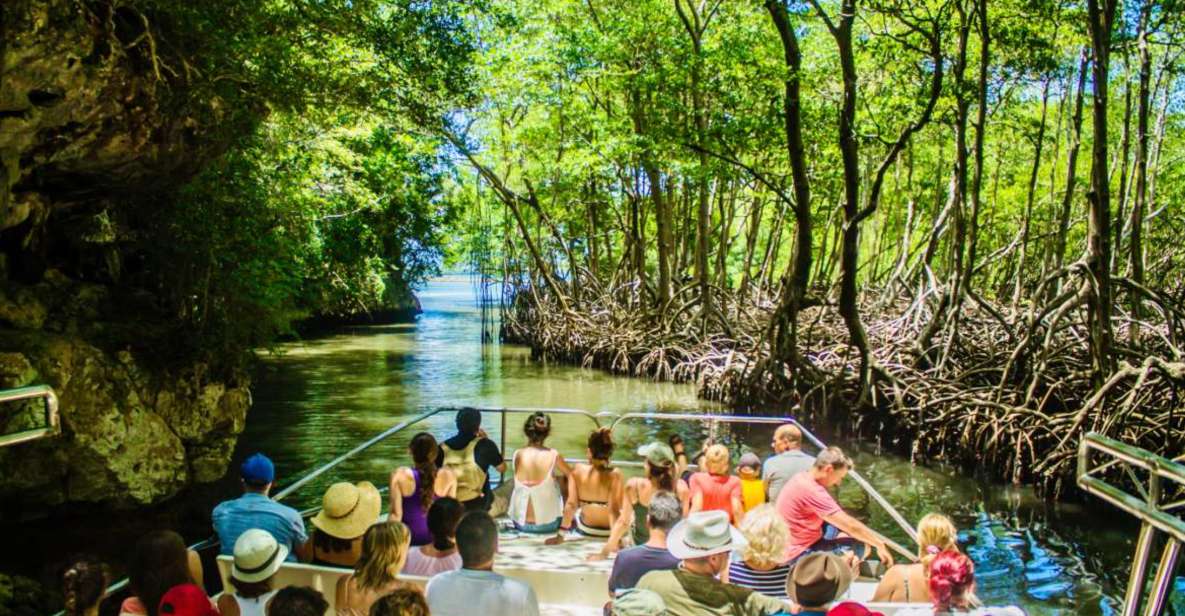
316	399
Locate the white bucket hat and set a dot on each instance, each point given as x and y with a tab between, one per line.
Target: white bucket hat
257	556
704	533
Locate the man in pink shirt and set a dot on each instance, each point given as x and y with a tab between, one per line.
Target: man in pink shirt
806	504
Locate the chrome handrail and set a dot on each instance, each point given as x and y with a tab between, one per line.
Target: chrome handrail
1149	507
860	481
52	420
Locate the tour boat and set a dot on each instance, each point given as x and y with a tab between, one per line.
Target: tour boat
567	582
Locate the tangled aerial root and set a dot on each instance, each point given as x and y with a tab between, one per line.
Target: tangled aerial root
1009	391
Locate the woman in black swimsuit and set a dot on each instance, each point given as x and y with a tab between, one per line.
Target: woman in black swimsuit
594	489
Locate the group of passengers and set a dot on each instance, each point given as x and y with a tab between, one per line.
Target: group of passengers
769	540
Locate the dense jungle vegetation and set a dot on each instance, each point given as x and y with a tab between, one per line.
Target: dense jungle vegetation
955	219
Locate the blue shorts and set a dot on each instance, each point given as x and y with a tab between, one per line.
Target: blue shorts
539	529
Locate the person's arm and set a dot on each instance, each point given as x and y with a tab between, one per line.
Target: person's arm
684	494
302	543
304	551
562	464
340	593
397	489
618	531
448	482
857	530
194	562
738	502
765	605
572	503
616	489
227	606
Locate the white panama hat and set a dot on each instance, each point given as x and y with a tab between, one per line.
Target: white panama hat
704	533
257	556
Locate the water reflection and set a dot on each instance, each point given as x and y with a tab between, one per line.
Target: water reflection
319	398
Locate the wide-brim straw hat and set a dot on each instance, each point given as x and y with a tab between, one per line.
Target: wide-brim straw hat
704	533
257	556
817	579
347	509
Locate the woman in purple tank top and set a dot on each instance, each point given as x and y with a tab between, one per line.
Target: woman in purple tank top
414	489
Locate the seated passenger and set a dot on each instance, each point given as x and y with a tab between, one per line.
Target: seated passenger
752	487
638	602
414	489
952	589
297	601
347	510
703	542
632	563
186	600
713	489
536	504
818	579
159	562
254	509
471	455
851	608
806	505
257	559
594	489
384	549
84	584
441	555
760	567
475	588
788	461
659	475
402	602
910	583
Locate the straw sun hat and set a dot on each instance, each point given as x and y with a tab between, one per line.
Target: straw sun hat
257	556
347	510
704	533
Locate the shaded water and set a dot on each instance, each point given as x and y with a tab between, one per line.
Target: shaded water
318	398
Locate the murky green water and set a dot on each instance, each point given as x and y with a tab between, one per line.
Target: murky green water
319	398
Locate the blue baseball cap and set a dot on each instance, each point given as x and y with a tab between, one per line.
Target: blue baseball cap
258	469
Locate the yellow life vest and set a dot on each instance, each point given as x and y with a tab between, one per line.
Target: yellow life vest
470	477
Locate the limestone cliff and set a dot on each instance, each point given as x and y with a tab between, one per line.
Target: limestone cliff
92	115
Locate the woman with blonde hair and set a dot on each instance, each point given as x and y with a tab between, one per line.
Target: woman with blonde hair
384	551
713	489
760	567
910	582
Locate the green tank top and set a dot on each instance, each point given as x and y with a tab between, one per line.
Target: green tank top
641	533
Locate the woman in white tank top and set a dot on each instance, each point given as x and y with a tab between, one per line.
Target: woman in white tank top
257	559
536	505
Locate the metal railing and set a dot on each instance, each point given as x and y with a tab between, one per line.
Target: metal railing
52	421
1148	505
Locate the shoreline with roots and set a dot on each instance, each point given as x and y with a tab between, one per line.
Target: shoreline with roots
1010	393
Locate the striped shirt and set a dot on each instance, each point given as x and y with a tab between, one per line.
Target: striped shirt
771	583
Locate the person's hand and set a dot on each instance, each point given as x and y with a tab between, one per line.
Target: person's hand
481	433
853	562
886	555
604	554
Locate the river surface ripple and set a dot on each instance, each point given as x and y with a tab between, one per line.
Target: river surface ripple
316	399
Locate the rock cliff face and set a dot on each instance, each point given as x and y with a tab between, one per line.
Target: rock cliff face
88	119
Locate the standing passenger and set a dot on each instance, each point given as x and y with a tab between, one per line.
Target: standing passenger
713	489
659	475
347	510
752	487
594	489
537	505
414	489
471	455
475	589
254	509
789	460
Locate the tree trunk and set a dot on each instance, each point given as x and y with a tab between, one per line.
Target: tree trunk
1098	237
1063	224
1025	228
1139	209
